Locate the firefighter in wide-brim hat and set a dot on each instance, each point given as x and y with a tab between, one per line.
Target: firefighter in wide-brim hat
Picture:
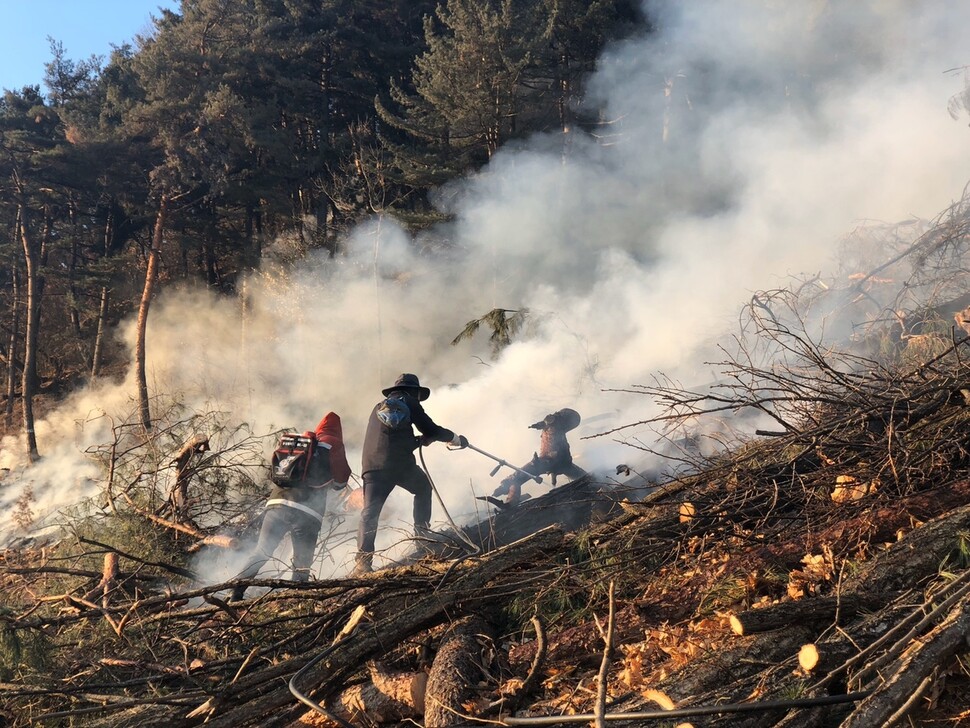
388	460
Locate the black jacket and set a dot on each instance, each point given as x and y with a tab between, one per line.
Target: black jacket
386	449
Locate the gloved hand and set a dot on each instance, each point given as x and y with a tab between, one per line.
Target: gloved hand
460	441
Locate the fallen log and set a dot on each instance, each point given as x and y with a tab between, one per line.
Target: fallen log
917	556
822	657
568	506
809	657
817	612
722	668
456	671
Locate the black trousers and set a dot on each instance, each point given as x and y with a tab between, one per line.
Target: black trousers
378	485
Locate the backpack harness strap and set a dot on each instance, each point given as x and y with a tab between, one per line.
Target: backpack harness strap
292	504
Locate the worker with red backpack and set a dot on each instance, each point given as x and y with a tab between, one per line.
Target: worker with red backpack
303	469
388	460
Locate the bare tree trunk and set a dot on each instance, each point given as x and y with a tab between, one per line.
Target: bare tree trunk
75	307
562	104
254	236
14	344
99	336
98	351
151	273
34	287
668	100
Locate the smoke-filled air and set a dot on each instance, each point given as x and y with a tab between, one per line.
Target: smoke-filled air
741	144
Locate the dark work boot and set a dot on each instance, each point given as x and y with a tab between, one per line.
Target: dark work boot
237	594
423	538
363	563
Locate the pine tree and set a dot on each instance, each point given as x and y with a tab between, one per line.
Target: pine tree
495	70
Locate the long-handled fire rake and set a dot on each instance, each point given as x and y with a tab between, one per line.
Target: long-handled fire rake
502	462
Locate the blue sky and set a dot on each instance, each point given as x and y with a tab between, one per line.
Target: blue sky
85	27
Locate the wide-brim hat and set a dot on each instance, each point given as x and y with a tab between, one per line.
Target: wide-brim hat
408	381
569	419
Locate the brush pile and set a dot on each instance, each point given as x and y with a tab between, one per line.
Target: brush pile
813	572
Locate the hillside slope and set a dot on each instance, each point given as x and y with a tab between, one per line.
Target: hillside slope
810	574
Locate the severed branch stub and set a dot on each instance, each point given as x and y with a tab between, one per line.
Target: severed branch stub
109	577
179	496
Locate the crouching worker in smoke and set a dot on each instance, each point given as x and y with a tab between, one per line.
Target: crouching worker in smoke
553	457
388	460
296	505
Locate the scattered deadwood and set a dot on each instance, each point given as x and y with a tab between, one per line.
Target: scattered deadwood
909	562
170	568
510	701
252	690
249	702
207	539
913	673
840	419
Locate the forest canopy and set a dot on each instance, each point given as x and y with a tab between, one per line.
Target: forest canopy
250	120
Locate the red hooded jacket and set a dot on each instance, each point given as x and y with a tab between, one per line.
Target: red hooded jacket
330	431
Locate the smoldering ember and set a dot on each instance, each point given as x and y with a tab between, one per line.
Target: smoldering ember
657	312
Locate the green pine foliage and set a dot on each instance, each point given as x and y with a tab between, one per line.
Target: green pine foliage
257	119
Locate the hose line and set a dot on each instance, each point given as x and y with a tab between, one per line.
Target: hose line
475	548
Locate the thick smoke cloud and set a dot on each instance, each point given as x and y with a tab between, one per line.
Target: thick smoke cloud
740	143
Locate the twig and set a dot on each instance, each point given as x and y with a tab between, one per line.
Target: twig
601	690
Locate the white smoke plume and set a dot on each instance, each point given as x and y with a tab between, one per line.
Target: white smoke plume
741	142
